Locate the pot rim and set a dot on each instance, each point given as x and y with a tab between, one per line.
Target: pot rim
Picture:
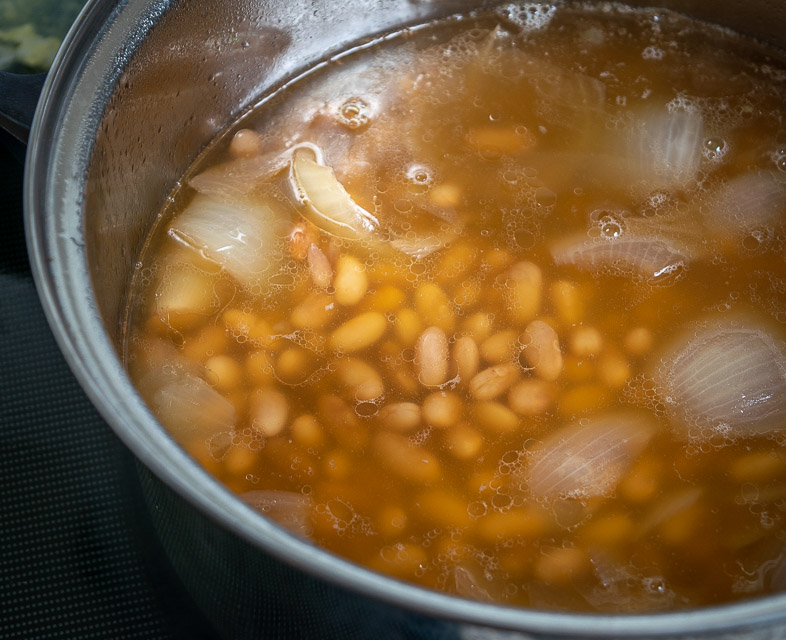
59	264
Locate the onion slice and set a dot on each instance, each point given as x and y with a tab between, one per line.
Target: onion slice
730	376
589	458
327	203
237	234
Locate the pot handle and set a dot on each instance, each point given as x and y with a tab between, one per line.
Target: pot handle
18	100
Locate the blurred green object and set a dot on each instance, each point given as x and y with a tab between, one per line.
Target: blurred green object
31	32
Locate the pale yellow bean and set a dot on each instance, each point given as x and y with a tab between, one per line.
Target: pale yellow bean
455	262
295	365
585	341
407	461
391	520
531	397
542	350
408	327
445	195
613	369
246	143
479	326
269	411
525	522
223	372
401	416
307	431
359	332
525	284
492	382
351	281
466	355
434	307
759	466
239	460
319	267
442	409
442	508
360	379
462	441
314	312
495	416
638	341
499	347
431	357
568	302
560	565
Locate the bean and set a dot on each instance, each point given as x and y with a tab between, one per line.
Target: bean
351	282
525	522
315	312
491	382
246	143
585	341
302	236
609	531
434	307
542	351
211	340
431	357
479	326
560	565
385	299
401	416
307	431
495	417
499	347
442	409
342	422
295	365
391	520
360	379
258	369
531	397
568	302
240	460
638	341
445	195
456	262
319	267
269	411
359	332
442	508
224	372
467	357
408	327
246	324
409	462
525	282
759	466
613	369
337	465
462	441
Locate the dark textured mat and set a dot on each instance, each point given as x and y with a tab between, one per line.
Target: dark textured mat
77	555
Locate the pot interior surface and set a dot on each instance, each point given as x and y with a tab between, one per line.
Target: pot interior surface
135	94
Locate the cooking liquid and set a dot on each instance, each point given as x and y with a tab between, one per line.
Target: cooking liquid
614	177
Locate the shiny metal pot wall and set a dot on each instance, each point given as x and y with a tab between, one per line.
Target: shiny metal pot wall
135	93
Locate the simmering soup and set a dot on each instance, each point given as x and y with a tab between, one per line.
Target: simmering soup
496	305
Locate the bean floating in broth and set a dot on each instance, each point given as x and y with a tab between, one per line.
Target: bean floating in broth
496	305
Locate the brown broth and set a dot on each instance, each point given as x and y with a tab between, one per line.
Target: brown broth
556	205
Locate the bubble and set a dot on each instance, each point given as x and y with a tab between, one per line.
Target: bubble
715	149
353	113
653	53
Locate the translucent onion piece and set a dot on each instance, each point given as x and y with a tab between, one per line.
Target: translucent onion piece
422	247
589	458
728	376
187	405
668	147
467	585
238	235
239	177
654	258
291	510
327	203
748	201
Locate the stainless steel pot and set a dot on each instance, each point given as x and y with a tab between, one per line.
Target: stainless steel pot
135	93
